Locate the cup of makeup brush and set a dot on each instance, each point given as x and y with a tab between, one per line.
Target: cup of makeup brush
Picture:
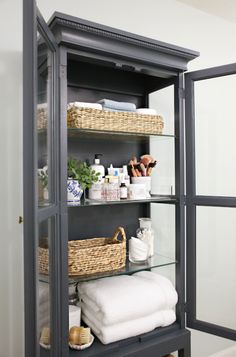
144	180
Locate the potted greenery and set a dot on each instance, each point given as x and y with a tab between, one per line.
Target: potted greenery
43	183
80	177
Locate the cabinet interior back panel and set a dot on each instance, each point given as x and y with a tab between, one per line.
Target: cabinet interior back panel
113	83
91	222
114	150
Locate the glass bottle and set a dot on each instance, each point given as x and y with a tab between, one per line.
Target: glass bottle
146	234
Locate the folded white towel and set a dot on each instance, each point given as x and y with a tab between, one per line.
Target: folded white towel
85	105
170	293
121	298
147	111
117	106
120	331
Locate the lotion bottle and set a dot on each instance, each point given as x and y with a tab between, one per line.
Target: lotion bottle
97	167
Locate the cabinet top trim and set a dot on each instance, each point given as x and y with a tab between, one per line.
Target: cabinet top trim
64	26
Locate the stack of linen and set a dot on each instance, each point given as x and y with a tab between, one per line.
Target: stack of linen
114	106
120	307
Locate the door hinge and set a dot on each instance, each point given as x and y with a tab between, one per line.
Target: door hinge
182	92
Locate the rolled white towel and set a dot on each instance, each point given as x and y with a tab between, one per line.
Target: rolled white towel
113	298
85	105
147	111
135	327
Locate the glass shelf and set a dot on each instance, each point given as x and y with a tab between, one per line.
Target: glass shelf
130	268
73	132
86	132
152	199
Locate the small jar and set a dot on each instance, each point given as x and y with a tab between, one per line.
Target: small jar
146	233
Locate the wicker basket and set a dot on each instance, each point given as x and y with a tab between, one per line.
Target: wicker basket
128	122
91	256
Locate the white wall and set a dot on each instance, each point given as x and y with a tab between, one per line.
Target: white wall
11	252
177	23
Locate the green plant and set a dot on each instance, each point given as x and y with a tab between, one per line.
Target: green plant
82	172
43	176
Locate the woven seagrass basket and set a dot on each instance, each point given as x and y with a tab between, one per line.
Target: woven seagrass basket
91	256
128	122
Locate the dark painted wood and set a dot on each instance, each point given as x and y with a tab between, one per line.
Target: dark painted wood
110	42
193	201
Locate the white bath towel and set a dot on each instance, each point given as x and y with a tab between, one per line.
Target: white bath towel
121	298
170	293
85	105
120	331
147	111
113	105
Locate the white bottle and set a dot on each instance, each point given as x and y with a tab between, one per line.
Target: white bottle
126	175
97	167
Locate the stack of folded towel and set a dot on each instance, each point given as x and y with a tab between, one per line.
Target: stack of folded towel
114	106
124	306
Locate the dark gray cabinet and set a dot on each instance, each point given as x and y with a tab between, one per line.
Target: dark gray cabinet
80	59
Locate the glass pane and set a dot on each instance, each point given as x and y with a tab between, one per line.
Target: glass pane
45	232
44	123
216	265
215	113
163	218
163	177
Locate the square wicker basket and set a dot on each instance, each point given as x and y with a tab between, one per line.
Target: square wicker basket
91	256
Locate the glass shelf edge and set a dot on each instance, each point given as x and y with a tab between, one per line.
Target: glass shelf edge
156	261
153	199
76	131
117	133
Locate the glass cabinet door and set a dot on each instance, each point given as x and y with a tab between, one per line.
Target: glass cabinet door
211	200
45	331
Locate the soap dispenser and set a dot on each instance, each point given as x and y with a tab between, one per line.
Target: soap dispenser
98	168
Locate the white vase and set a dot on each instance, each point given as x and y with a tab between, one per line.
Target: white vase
74	190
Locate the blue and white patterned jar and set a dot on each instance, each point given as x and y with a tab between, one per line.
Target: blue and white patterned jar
74	191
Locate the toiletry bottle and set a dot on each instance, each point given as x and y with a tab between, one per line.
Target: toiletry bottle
123	189
97	167
126	175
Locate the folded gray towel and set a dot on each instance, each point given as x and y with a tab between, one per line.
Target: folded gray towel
108	104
